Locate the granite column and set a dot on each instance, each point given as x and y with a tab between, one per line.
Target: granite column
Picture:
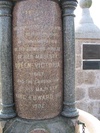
6	60
68	7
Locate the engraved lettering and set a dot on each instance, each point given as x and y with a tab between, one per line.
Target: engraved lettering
37	61
21	81
35	97
37	49
41	89
37	56
45	81
38	106
28	27
44	65
50	88
39	74
21	65
46	56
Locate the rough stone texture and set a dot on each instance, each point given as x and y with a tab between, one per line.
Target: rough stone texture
85	3
39	131
56	125
6	84
94	108
5	56
78	61
88	80
83	105
79	77
80	93
37	50
85	77
94	93
69	109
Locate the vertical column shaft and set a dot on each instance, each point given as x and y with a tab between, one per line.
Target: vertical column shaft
6	60
68	8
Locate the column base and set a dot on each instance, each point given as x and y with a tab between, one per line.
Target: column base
7	115
71	114
56	125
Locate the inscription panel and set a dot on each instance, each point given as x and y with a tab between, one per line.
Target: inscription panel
91	51
37	50
91	56
91	65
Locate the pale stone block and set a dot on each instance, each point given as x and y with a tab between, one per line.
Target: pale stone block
82	105
78	46
79	77
94	93
80	93
89	77
94	108
85	77
78	61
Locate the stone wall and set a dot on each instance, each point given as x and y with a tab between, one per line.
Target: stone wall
87	82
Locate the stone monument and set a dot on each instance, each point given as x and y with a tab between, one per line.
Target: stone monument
42	61
37	50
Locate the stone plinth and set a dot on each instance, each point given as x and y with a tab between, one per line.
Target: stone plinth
37	51
55	125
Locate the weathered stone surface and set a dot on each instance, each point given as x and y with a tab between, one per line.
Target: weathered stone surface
87	33
94	93
6	84
78	62
69	109
82	105
79	80
89	77
86	77
39	131
94	108
80	93
55	125
37	50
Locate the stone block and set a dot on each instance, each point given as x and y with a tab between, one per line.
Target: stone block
78	61
80	93
37	50
79	77
78	45
83	105
89	77
55	125
94	108
94	93
85	77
